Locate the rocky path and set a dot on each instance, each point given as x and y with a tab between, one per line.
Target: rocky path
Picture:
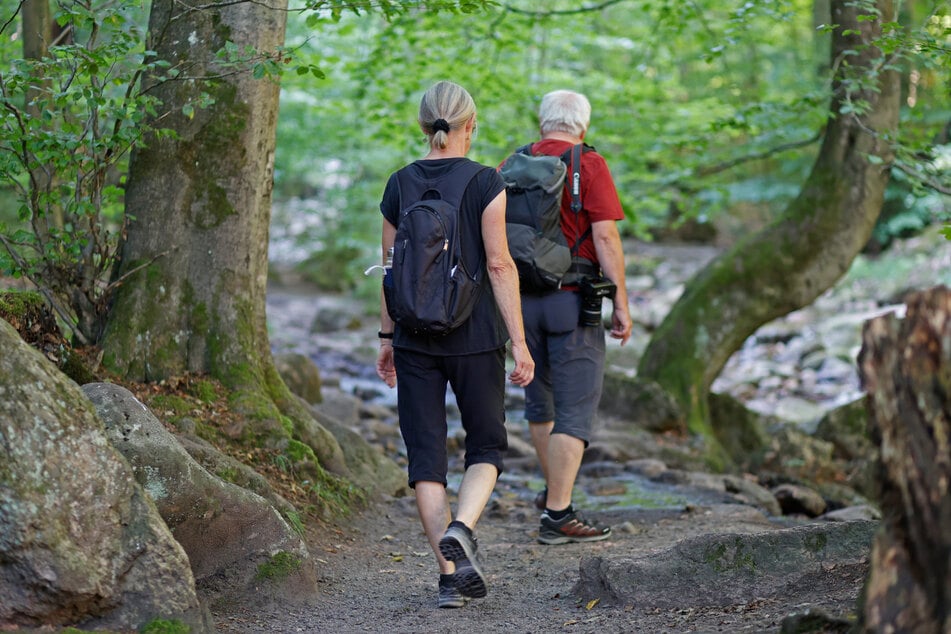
377	573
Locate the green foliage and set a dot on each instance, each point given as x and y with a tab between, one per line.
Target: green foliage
295	521
332	268
69	119
910	205
337	495
172	404
204	390
160	626
525	50
280	566
702	109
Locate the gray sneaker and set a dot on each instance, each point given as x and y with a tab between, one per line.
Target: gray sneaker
571	528
457	545
449	595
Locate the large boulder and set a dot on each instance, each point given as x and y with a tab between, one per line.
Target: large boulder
370	468
741	431
642	402
717	570
340	414
234	471
81	543
300	374
237	542
846	427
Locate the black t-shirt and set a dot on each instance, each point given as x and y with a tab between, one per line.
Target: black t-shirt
484	330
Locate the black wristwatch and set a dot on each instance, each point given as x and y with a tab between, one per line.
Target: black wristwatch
384	335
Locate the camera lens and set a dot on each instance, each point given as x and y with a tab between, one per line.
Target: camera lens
593	291
590	312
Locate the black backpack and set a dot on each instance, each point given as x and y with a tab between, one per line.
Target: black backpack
534	186
432	291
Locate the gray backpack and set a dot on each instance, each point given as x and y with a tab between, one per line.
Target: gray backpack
534	187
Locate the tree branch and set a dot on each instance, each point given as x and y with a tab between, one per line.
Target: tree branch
12	17
779	149
545	14
924	179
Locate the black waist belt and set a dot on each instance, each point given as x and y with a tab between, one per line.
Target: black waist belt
583	266
579	269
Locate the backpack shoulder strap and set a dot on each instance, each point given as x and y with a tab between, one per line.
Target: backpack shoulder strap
458	181
451	187
572	158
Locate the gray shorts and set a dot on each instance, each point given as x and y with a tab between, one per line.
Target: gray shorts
569	364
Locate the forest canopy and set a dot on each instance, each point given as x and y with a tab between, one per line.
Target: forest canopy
709	113
706	111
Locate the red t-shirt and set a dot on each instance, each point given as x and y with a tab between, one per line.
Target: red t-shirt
599	197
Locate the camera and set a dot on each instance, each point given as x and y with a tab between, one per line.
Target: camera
593	291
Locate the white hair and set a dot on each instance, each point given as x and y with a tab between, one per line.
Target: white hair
564	111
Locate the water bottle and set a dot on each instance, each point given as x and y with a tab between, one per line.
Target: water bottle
388	268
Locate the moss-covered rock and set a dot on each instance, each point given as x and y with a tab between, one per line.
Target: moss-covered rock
81	541
301	375
644	403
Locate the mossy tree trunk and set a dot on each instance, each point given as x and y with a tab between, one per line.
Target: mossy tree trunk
905	366
200	205
806	250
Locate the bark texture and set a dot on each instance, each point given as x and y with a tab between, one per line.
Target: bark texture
805	251
200	202
905	366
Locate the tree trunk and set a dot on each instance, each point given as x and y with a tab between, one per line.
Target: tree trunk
792	261
200	204
821	17
38	33
906	369
203	199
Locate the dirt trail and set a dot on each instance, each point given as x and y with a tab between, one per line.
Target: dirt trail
377	574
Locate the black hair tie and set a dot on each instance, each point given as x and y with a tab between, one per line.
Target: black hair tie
441	125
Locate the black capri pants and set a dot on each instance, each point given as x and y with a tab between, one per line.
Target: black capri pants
478	381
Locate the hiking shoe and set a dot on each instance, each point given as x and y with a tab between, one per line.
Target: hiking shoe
449	595
541	500
458	546
571	528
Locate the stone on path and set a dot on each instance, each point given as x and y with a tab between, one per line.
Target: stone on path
733	569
